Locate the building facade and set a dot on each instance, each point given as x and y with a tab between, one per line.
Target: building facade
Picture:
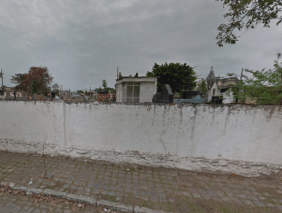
219	86
136	89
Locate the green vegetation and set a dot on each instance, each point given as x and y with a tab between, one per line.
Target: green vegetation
193	207
178	76
265	86
246	14
202	87
104	83
37	80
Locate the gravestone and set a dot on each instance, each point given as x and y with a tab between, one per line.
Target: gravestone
189	94
15	93
165	96
197	100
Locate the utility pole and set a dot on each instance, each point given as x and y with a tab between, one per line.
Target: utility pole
241	74
117	72
2	77
241	82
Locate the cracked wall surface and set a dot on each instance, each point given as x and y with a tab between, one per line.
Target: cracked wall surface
240	139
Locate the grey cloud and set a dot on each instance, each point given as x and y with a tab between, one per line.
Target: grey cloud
83	42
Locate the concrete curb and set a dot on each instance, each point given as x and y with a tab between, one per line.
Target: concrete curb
81	199
115	206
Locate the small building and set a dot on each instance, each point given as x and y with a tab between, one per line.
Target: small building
218	86
102	96
106	96
135	89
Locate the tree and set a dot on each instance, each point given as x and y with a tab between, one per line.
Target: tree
202	87
136	75
80	91
34	86
99	89
104	83
264	85
18	79
37	80
109	89
178	76
246	14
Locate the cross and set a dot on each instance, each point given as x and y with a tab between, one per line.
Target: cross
14	95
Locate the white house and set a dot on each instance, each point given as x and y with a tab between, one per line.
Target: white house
218	86
135	89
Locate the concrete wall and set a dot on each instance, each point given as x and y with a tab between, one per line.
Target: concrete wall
119	92
240	139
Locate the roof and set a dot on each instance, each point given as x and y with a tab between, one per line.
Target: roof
137	79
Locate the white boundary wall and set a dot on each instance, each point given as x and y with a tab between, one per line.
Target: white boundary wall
240	139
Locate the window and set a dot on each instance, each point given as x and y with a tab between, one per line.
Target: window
223	90
131	92
213	92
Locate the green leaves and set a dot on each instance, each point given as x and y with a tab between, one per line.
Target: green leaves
37	80
246	14
202	87
34	86
178	76
265	85
104	83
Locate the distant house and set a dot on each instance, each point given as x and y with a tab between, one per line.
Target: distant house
106	96
218	86
135	89
90	94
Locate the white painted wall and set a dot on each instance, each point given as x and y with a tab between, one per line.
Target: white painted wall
119	93
210	92
203	137
228	97
147	91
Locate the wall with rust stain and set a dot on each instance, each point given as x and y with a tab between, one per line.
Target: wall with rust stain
201	137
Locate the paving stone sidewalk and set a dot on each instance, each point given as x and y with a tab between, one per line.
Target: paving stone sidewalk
156	188
10	203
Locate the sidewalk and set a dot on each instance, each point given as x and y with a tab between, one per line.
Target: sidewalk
10	203
170	190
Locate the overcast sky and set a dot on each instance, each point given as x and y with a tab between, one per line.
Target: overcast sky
83	42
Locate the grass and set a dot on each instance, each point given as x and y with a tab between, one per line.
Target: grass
112	198
194	208
132	169
225	209
144	204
